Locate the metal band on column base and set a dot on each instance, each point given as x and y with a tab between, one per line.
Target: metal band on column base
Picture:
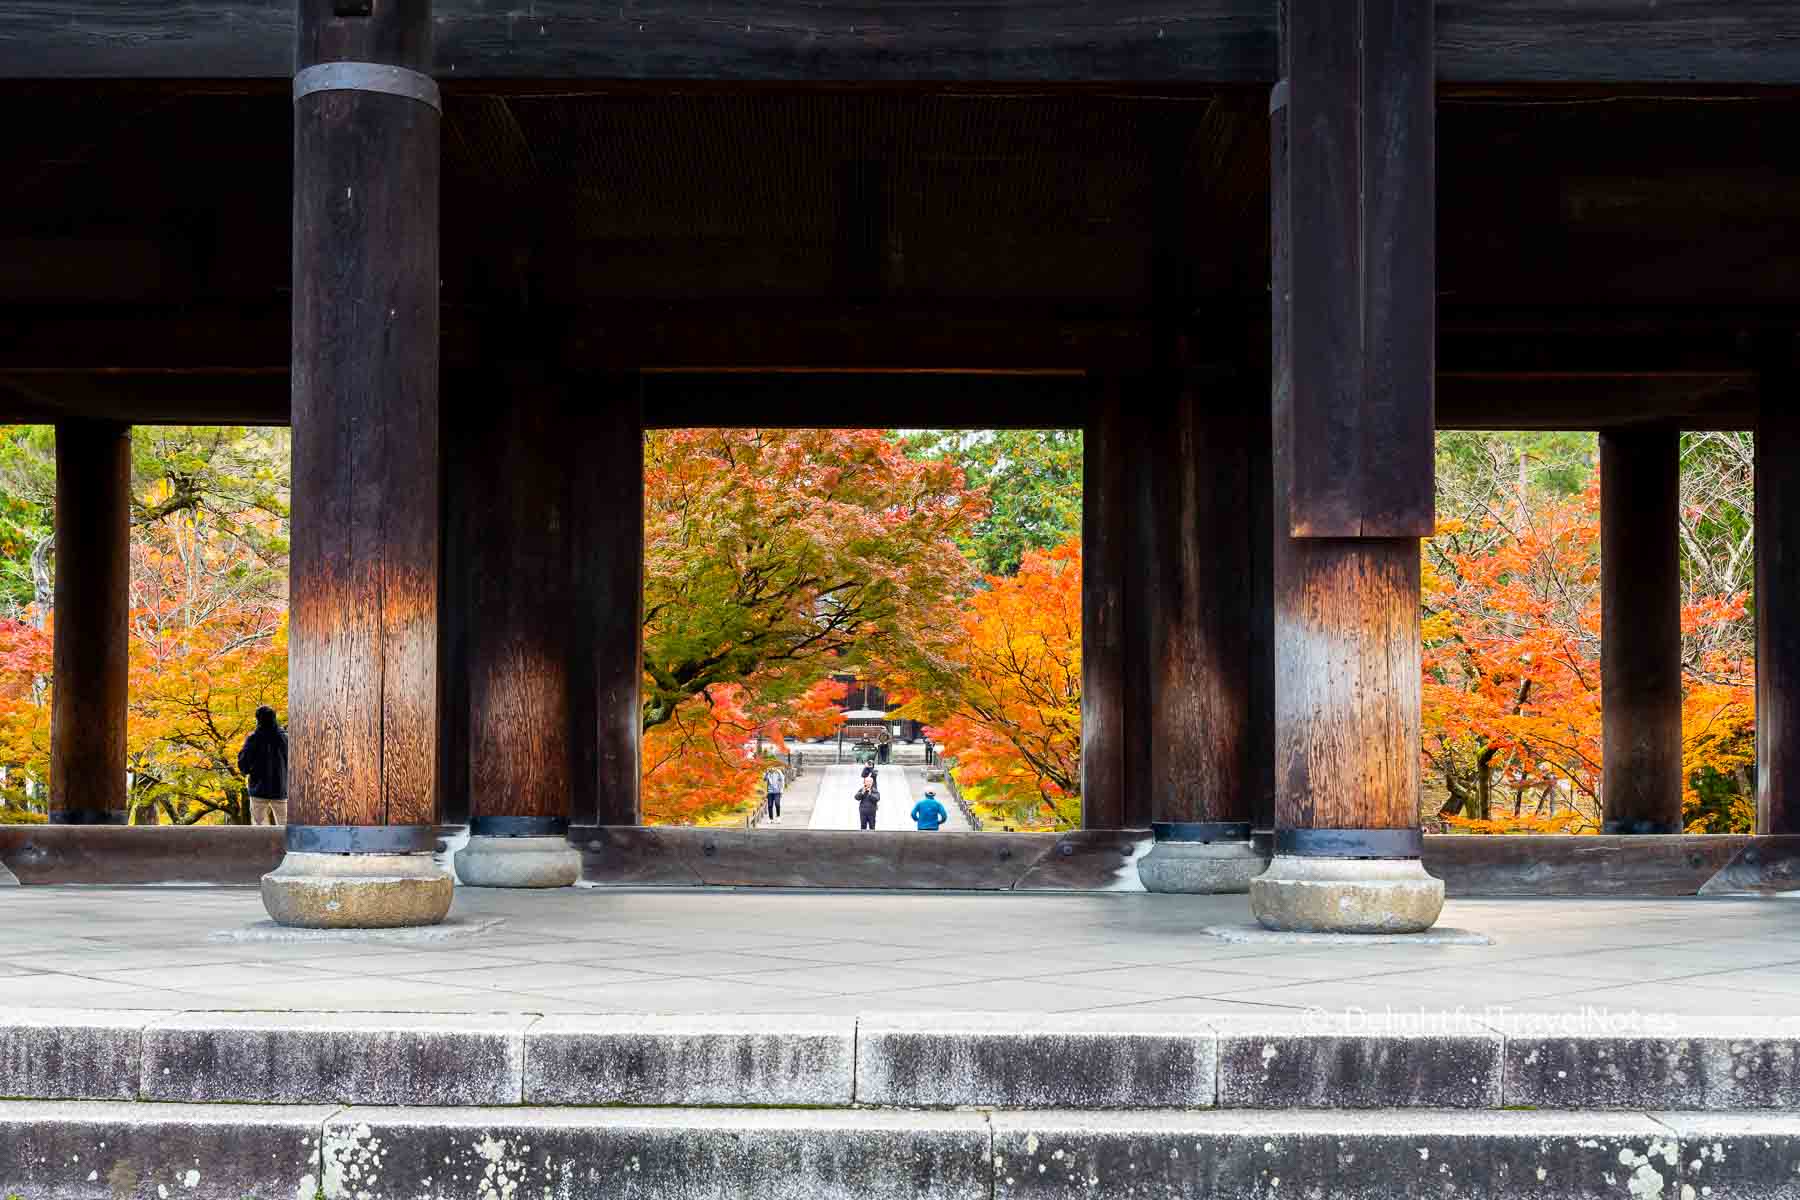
358	877
1351	843
1640	826
518	852
1201	858
88	816
518	827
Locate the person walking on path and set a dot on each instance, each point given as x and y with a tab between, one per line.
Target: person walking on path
928	813
774	780
264	762
867	798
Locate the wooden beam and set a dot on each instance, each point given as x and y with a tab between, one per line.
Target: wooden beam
827	399
1640	646
1355	305
1026	41
93	604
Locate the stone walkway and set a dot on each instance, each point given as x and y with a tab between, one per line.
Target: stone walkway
585	950
901	787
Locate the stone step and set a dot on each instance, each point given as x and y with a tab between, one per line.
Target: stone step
916	1060
107	1150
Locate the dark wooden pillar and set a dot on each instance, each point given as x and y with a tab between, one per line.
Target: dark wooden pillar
1201	593
610	589
1259	632
1778	592
523	672
1353	201
1640	648
1104	504
363	686
543	582
462	466
93	603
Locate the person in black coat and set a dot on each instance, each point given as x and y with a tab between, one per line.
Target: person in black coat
264	762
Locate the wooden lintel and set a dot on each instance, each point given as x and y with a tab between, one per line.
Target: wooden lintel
1025	41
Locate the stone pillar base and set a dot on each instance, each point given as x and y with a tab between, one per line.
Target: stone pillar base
1346	895
1204	868
357	891
518	862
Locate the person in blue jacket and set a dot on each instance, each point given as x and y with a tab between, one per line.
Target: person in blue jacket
928	812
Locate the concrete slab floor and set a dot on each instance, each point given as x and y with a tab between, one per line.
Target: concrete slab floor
765	951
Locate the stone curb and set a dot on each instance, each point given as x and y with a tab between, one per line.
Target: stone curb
1344	1155
691	1060
1010	1060
1316	1061
86	1150
72	1054
1031	1060
105	1150
1712	1064
747	1154
347	1058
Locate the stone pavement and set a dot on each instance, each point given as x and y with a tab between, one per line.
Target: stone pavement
892	1046
901	787
762	951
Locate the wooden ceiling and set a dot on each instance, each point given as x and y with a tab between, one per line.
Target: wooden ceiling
1604	256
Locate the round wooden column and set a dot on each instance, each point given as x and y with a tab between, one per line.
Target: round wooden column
524	671
1198	572
364	567
93	601
1640	647
1778	593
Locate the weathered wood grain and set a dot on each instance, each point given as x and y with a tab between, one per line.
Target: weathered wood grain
1259	630
1199	698
1346	683
1140	426
1018	41
1580	864
1777	478
1354	203
1640	646
460	455
1103	612
1720	41
523	617
609	587
93	606
364	568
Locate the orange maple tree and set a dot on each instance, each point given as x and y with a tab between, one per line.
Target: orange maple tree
1004	698
774	557
1511	688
